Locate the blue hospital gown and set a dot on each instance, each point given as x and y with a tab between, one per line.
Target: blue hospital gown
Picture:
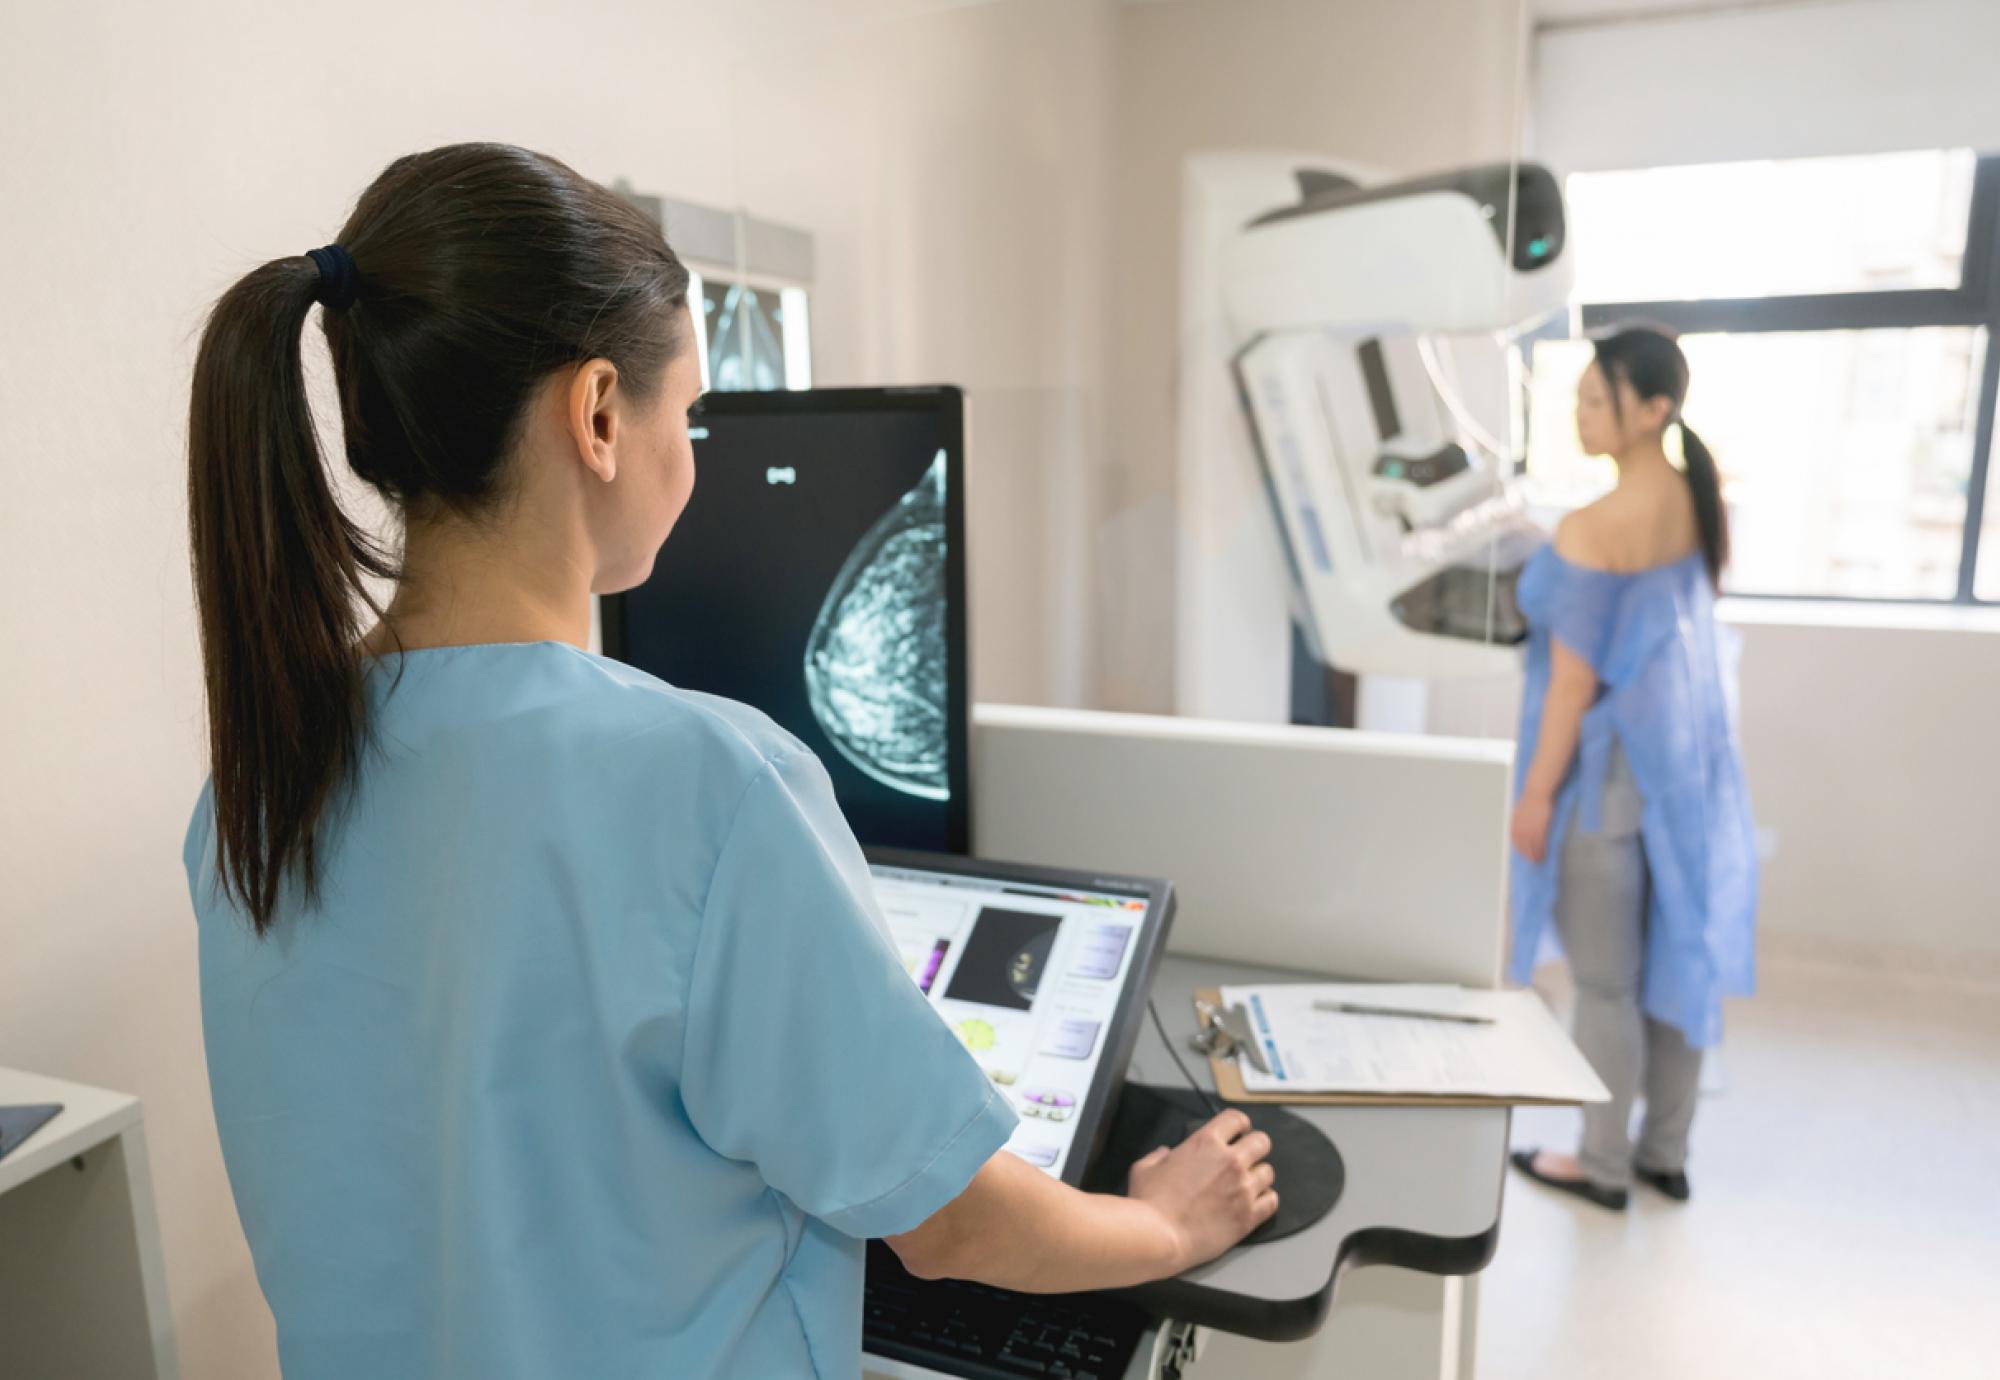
1665	677
594	1058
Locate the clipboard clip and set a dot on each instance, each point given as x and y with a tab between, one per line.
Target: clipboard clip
1225	1034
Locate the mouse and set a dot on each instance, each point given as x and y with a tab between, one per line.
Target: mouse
1149	1118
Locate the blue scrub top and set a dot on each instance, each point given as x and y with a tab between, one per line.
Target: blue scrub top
1665	672
593	1057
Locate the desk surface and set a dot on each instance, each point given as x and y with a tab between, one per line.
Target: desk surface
1423	1188
89	1117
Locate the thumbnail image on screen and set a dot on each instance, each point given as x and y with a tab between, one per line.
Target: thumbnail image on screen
1029	978
813	576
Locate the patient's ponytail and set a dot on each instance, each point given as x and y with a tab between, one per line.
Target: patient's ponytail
1711	518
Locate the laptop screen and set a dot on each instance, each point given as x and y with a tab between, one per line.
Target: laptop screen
1042	974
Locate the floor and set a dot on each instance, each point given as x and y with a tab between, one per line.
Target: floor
1846	1210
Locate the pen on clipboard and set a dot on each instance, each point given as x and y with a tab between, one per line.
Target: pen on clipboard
1355	1008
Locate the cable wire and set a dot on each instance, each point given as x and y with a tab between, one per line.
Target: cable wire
1204	1094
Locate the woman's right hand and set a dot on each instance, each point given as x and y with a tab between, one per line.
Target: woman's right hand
1213	1188
1528	826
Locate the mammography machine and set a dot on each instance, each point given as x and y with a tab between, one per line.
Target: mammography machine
1348	358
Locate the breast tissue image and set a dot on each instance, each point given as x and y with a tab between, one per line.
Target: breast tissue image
875	663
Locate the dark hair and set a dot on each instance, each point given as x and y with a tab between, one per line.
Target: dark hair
479	270
1651	361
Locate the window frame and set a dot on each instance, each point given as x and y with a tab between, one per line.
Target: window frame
1975	302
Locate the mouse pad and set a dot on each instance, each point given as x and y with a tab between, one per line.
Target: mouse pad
1310	1174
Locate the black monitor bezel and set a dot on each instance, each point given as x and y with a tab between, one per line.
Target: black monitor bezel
1100	1102
947	401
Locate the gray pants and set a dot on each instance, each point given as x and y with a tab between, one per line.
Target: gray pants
1602	887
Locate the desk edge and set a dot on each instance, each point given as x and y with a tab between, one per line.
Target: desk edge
1291	1320
56	1144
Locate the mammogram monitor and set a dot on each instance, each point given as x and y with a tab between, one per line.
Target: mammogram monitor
819	575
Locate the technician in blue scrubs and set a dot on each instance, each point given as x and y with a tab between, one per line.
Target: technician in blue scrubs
551	1026
1632	824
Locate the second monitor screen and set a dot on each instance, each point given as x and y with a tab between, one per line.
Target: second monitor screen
1030	978
817	575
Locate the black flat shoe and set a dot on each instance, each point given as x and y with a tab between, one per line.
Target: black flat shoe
1674	1185
1613	1199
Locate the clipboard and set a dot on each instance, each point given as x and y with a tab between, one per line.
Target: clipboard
1229	1084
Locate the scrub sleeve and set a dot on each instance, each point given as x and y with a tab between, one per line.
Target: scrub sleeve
810	1052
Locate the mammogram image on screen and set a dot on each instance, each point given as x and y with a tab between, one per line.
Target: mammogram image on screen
875	664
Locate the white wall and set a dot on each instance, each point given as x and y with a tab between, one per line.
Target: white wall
953	168
1773	81
1414	86
1873	748
150	154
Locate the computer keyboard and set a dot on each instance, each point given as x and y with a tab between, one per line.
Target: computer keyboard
979	1333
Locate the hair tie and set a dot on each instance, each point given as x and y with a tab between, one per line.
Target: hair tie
338	277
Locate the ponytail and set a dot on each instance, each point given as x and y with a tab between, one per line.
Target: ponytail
482	269
1711	518
278	573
